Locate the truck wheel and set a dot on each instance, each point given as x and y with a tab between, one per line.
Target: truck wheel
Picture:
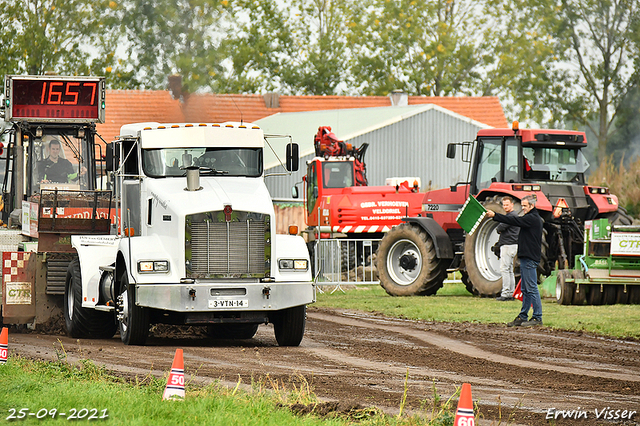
289	324
564	289
133	319
579	297
407	264
232	331
83	322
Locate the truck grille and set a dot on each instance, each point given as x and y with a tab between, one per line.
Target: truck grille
236	246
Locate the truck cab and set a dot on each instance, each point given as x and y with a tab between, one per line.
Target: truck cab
195	241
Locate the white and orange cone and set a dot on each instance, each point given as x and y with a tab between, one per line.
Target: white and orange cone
4	345
464	413
175	382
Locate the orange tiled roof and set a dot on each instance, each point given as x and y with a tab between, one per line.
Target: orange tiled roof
137	106
130	106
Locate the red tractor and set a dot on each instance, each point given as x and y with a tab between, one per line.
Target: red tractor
413	258
340	204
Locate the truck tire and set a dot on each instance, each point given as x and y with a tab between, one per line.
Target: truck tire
634	294
133	320
289	324
407	264
84	322
232	331
564	290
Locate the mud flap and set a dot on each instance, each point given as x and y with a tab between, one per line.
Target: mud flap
18	287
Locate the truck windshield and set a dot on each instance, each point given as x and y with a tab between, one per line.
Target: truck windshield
554	164
171	162
337	174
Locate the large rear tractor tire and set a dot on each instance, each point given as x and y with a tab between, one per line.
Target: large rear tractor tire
482	275
133	319
482	265
84	322
289	325
407	264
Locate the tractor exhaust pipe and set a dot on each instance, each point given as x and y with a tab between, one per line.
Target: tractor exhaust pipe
193	178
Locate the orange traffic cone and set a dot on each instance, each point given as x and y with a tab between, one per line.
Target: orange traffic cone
464	413
4	345
175	382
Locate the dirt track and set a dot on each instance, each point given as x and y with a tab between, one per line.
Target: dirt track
517	375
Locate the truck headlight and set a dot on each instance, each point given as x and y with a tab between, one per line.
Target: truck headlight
293	264
146	266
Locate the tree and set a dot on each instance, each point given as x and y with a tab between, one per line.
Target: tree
604	46
570	62
425	48
258	49
66	37
165	37
294	46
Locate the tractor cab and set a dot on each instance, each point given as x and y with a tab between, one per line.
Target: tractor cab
528	158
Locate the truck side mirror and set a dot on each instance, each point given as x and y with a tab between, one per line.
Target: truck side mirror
110	157
294	192
451	150
293	157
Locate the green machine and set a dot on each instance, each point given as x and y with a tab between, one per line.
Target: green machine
609	270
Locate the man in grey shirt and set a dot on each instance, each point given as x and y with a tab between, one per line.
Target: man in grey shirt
508	243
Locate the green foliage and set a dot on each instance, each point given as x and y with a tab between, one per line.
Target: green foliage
165	37
67	37
453	303
423	48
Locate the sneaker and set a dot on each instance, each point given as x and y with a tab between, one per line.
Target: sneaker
503	298
533	322
516	322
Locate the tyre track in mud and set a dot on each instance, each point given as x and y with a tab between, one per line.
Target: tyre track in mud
365	358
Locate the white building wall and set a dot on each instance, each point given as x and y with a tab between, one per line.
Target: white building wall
415	146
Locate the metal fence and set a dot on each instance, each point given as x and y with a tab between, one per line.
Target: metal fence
341	261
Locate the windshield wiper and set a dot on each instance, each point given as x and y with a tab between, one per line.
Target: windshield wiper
210	171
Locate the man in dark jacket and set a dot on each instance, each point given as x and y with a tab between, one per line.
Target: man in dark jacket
508	243
529	252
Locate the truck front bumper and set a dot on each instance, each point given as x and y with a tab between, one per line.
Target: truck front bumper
220	297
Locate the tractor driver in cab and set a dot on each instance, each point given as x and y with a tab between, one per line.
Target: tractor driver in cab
56	169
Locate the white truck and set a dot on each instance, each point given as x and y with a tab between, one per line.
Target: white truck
194	242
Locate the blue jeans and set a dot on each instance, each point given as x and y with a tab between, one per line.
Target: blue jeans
529	286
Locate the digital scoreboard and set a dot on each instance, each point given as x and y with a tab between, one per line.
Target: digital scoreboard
54	99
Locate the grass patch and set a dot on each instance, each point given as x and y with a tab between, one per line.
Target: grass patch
41	387
453	303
